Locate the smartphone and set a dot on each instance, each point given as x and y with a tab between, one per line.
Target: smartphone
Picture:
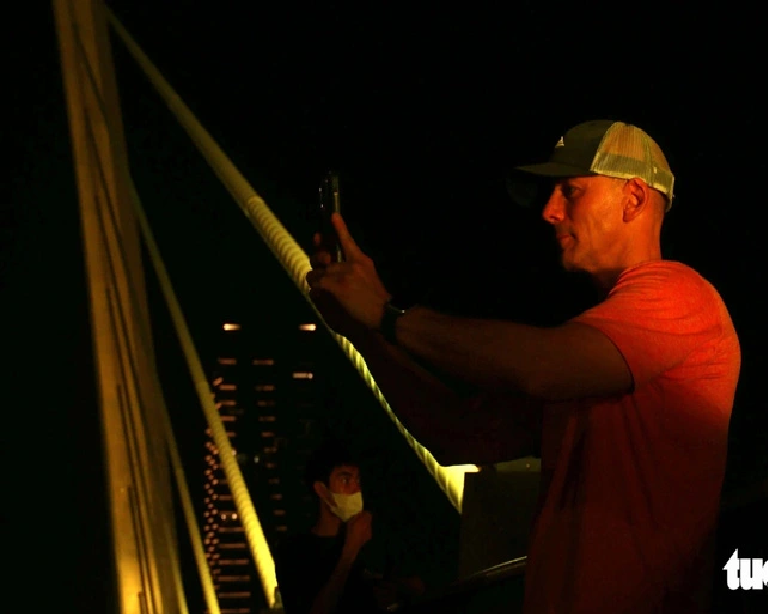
330	202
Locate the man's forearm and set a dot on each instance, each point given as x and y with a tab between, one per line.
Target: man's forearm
560	363
327	600
490	354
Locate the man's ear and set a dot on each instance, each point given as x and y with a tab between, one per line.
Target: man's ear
636	198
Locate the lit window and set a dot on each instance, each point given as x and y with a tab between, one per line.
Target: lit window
228	387
231	326
265	388
234	516
276	497
218	381
266	418
270	450
265	403
310	326
263	362
226	418
227	361
270	465
267	434
273	480
229	402
243	578
302	375
282	528
279	512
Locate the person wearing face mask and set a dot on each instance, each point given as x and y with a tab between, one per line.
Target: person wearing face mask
321	572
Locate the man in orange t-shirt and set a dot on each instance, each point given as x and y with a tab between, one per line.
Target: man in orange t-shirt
631	399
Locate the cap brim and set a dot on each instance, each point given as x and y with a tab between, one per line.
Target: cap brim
554	170
528	185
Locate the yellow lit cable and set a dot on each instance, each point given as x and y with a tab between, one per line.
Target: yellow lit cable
290	255
253	531
145	336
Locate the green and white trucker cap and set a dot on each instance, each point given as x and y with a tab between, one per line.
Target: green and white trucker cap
599	147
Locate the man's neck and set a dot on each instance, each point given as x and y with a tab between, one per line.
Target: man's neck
605	279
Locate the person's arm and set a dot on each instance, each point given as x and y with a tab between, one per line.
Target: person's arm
567	362
482	429
358	533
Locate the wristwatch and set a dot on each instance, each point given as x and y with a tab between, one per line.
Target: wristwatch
389	321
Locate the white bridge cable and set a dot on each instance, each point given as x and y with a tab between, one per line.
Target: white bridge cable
290	255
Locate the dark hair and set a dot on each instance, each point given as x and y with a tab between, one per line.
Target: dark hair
325	459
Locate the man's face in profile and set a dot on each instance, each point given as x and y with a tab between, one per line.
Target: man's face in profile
586	213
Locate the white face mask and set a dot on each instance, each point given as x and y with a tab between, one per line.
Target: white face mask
346	506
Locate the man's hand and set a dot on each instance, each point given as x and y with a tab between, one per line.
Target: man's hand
349	294
358	533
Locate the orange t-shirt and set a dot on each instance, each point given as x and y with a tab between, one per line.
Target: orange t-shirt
631	485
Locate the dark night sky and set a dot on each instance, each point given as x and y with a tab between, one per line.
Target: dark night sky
422	111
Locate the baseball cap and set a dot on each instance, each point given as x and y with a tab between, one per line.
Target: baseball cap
598	147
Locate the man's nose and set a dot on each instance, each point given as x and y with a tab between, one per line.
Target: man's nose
554	210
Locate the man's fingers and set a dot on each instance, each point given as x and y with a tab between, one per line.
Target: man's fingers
313	277
320	259
330	272
348	245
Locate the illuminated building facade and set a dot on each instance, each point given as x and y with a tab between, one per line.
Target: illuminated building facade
266	387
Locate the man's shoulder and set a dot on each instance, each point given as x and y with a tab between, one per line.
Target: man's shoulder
666	277
663	269
662	292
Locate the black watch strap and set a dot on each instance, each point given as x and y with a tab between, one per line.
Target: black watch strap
389	321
